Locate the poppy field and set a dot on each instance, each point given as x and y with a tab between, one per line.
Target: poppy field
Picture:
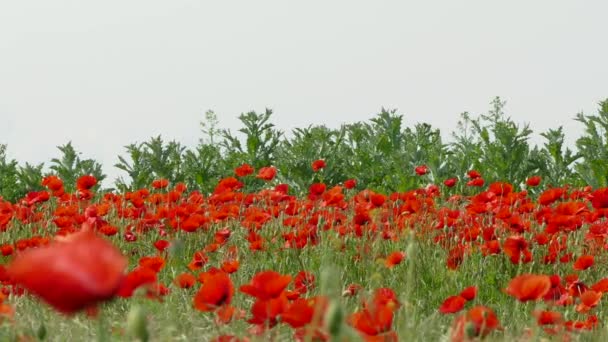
369	232
339	263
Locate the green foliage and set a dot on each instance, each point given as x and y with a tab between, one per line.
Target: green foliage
557	167
593	147
151	160
496	146
30	177
294	156
16	181
69	167
204	165
261	140
381	154
9	178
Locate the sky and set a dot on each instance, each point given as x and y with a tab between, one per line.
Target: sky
104	74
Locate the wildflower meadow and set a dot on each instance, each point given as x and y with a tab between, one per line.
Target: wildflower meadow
374	231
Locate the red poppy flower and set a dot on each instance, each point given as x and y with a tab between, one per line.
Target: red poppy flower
377	199
450	182
316	190
590	298
266	285
551	195
478	182
590	323
318	165
302	311
160	183
584	262
529	287
394	259
282	188
34	197
350	183
267	173
373	323
599	198
222	235
548	317
484	320
161	245
473	174
155	263
230	266
199	259
140	276
225	314
469	293
73	274
52	182
267	311
185	280
421	170
452	304
86	182
217	290
304	281
244	170
533	181
500	188
601	285
108	230
515	247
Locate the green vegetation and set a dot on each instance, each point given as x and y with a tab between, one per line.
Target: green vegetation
380	153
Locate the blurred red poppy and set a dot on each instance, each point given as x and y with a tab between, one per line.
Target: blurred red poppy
302	311
161	245
72	274
160	183
548	317
533	181
589	299
304	281
86	182
217	290
394	259
52	182
452	304
318	165
266	285
479	321
450	182
599	198
478	182
473	174
584	262
469	293
135	279
244	170
529	287
350	183
267	173
421	170
185	280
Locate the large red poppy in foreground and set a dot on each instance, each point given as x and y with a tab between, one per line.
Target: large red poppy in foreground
72	274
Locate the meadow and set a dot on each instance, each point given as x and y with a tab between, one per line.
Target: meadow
369	232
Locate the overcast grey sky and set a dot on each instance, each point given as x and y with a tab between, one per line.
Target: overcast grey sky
104	74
